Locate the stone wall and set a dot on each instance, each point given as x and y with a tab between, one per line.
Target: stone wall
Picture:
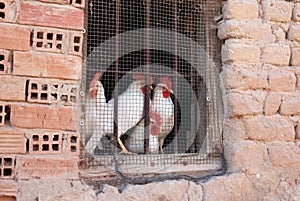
261	94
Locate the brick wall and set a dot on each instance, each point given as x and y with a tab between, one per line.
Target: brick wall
40	71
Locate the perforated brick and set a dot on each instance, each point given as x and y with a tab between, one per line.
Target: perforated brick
68	94
7	166
76	44
49	40
73	144
45	143
3	10
2	114
38	92
4	61
52	92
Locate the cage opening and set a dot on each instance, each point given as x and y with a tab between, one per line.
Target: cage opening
191	128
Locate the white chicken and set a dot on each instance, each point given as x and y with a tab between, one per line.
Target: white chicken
130	112
135	141
163	105
94	105
130	106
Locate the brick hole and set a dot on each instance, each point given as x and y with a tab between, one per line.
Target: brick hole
55	86
1	120
7	162
46	137
2	5
59	37
73	139
45	147
1	67
64	98
49	45
35	138
73	99
2	57
7	172
78	1
0	162
54	95
2	15
76	48
39	44
59	46
34	96
73	149
27	145
76	39
34	86
55	137
55	147
49	36
35	147
44	87
8	113
44	96
40	35
74	90
0	172
1	108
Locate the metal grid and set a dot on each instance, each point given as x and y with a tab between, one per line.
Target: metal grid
171	42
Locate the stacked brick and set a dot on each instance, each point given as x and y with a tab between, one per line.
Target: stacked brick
40	71
260	84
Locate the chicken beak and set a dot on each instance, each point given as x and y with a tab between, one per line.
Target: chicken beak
150	87
171	91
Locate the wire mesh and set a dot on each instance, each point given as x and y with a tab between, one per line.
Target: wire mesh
169	46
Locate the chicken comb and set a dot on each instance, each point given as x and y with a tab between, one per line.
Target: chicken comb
166	80
137	76
95	79
156	117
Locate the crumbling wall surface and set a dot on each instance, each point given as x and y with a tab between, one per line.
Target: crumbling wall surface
40	72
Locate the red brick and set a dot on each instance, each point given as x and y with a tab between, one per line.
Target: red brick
73	144
50	16
76	44
52	92
12	88
47	167
49	40
8	188
8	11
45	143
47	65
5	59
7	168
12	141
44	117
14	37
